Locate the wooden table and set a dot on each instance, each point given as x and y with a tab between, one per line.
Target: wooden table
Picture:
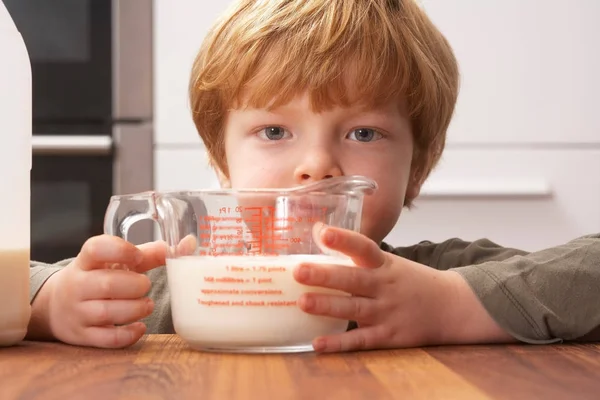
162	367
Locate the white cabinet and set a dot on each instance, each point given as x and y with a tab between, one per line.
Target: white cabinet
529	199
179	28
529	69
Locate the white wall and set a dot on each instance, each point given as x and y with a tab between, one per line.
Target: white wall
526	126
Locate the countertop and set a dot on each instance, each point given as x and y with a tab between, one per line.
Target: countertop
163	367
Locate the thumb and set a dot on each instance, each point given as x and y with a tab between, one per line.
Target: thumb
154	254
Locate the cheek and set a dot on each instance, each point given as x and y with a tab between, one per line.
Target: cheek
252	168
382	209
254	176
380	214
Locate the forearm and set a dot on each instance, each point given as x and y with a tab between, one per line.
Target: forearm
464	319
39	323
544	297
41	278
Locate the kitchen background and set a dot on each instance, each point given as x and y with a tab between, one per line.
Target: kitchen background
111	115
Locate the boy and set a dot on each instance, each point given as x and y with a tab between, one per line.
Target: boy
286	92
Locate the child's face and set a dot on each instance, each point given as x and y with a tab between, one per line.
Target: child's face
293	145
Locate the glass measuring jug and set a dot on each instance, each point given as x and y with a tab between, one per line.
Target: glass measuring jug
230	256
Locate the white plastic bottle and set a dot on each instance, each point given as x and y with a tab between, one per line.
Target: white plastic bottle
15	172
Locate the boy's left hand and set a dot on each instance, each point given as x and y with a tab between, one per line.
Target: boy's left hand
396	302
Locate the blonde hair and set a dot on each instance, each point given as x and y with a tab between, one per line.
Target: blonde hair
268	51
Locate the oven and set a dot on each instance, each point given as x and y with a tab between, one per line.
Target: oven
92	115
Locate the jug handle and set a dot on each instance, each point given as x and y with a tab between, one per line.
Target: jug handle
125	210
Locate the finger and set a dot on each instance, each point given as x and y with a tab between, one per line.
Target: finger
356	281
114	312
113	337
100	251
368	338
153	256
360	309
187	246
363	251
113	284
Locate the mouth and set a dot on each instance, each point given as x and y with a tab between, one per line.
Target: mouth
304	207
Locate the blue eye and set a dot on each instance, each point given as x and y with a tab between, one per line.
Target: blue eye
364	135
273	133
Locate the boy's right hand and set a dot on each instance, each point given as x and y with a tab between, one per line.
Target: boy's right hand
99	298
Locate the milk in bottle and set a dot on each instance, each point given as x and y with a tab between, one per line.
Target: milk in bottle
15	167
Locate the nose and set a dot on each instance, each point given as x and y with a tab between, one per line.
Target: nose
317	164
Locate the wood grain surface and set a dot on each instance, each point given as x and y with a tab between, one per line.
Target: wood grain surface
163	367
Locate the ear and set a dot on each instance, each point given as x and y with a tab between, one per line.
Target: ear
412	190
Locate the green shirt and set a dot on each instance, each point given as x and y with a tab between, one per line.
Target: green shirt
540	297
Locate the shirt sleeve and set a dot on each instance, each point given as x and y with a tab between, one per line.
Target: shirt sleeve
161	319
539	297
39	273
